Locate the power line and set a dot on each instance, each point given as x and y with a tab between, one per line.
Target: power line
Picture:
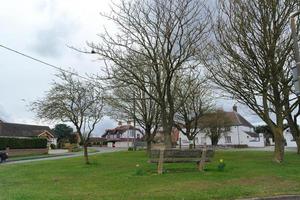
43	62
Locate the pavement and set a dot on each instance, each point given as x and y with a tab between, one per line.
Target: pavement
267	148
283	197
62	154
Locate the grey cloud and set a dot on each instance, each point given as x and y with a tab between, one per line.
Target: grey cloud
51	41
105	123
4	116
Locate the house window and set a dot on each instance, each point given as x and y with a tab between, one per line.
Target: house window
118	135
227	129
227	139
131	133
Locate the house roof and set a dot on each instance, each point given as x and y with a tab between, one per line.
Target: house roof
22	130
119	130
232	119
237	120
252	134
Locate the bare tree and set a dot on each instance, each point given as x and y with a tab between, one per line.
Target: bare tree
215	125
155	39
250	60
71	100
136	104
196	104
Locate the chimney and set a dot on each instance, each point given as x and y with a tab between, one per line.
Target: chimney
234	108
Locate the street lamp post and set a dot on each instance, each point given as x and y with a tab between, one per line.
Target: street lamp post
296	69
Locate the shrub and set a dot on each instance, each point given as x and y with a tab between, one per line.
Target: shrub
130	148
139	171
239	146
23	143
52	146
75	149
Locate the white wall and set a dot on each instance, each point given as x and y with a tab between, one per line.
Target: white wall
123	144
53	141
289	138
237	135
259	143
109	144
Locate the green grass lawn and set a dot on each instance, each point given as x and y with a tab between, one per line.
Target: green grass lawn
113	176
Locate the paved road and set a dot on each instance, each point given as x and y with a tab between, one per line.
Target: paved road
100	150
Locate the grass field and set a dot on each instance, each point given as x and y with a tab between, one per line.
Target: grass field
113	176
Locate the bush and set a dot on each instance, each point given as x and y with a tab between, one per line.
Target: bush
75	149
239	146
130	148
23	143
52	146
139	171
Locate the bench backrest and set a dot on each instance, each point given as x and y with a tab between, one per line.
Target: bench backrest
181	153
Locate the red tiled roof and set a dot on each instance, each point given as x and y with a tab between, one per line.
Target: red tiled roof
119	130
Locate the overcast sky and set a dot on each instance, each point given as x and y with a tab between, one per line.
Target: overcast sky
43	29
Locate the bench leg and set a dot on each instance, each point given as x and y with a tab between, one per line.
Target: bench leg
160	168
160	162
203	159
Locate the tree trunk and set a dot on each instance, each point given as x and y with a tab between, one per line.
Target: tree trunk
85	154
148	146
191	142
298	145
279	145
167	130
167	139
167	127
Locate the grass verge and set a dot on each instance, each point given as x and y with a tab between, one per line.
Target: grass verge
114	176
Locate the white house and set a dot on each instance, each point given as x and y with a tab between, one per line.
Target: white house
122	136
290	142
241	133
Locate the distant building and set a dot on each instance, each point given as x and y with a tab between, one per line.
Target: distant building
122	135
241	132
27	131
96	141
289	139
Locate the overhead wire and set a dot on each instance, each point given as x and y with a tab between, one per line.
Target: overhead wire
43	62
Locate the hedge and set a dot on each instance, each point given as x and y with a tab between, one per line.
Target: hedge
23	143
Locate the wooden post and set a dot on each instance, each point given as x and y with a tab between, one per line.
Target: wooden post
7	150
203	158
160	161
180	143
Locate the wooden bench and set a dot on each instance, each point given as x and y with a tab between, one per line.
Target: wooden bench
199	156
